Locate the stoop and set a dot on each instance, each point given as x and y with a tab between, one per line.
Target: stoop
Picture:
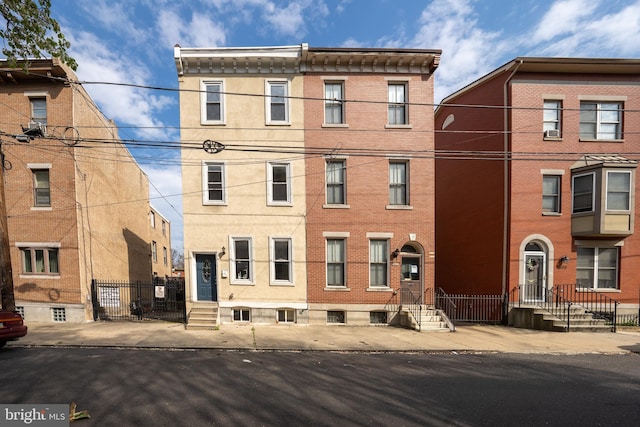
203	316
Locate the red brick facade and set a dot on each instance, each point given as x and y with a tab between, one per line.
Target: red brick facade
480	252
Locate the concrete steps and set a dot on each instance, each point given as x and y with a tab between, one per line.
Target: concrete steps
203	316
431	320
540	319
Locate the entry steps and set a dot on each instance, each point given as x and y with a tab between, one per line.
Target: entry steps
203	316
431	320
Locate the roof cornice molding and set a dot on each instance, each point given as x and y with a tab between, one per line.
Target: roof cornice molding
302	59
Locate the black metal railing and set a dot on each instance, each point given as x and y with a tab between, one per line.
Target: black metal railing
549	300
164	299
487	309
600	306
405	299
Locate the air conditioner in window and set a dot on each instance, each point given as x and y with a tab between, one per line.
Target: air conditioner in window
34	129
552	133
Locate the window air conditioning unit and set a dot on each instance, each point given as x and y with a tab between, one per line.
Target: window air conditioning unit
35	129
552	133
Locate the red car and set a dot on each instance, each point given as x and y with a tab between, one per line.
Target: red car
12	327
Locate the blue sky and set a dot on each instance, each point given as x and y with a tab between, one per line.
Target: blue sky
131	41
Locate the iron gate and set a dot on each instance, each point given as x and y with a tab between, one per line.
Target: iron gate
163	300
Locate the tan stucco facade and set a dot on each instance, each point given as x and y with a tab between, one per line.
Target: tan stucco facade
246	211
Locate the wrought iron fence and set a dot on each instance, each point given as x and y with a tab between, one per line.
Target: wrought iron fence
116	300
487	309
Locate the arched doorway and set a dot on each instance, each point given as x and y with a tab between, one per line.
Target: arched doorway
535	272
411	281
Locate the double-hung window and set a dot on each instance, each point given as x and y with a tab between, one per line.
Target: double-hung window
551	194
597	268
277	102
38	109
336	182
333	103
583	192
618	191
39	260
281	260
164	256
279	183
212	102
336	260
214	183
551	118
241	262
41	188
154	251
601	120
398	104
398	182
378	263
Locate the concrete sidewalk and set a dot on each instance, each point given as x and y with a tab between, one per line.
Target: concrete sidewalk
158	334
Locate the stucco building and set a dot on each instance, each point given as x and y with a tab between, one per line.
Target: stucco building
76	200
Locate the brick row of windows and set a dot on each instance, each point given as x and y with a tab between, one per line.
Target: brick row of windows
599	120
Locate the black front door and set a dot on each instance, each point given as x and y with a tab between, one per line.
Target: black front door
206	277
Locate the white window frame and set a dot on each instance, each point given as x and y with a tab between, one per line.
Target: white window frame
273	260
628	192
205	183
154	251
551	108
235	280
268	101
204	85
164	255
289	315
593	192
595	267
33	108
241	311
394	105
373	262
36	188
270	184
152	219
601	120
343	184
333	102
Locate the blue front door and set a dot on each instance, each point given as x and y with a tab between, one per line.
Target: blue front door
206	277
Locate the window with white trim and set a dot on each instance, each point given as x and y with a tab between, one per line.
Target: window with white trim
214	183
601	120
398	104
286	315
279	183
597	268
336	262
165	257
551	193
618	190
336	177
277	102
154	251
241	314
398	182
551	117
212	102
41	188
241	260
583	192
333	103
281	260
378	263
40	260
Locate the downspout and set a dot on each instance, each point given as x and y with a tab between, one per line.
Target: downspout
507	184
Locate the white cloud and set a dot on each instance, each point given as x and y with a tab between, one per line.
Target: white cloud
452	26
200	31
116	17
563	17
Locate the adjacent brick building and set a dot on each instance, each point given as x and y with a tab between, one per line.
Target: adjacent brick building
536	179
76	200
